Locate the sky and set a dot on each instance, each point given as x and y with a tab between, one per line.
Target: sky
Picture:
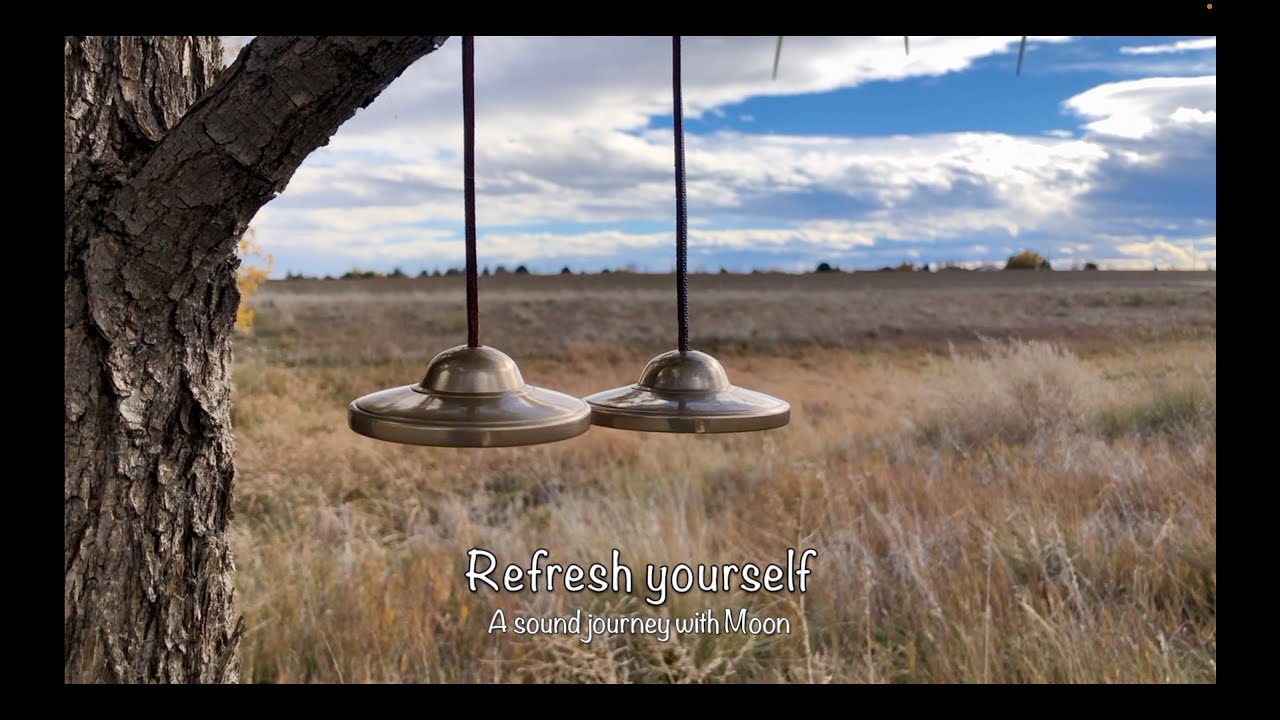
1103	150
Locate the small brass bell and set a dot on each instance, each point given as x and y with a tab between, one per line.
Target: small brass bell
685	391
472	395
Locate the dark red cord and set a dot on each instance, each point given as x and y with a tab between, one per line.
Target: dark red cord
469	185
682	210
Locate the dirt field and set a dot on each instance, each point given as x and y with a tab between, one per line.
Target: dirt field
1039	506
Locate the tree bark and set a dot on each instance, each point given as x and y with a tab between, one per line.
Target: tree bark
167	158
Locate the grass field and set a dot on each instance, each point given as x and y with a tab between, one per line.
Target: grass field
1008	477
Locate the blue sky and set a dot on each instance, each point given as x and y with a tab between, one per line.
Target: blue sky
1103	150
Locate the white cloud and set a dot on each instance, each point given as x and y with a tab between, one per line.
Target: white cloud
1138	109
1180	46
1183	254
1144	66
1193	116
898	185
551	86
563	139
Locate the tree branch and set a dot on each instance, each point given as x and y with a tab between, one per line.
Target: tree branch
237	147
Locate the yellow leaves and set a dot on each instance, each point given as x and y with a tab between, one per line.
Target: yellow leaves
250	277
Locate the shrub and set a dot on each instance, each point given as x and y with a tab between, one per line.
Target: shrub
1091	266
565	270
825	268
1012	392
522	270
249	277
1027	260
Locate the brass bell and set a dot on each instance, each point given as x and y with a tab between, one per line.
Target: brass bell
472	395
687	392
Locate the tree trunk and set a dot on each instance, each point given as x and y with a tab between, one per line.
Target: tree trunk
167	158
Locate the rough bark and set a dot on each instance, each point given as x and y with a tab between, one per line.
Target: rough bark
166	161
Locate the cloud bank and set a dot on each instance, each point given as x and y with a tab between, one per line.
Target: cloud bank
574	167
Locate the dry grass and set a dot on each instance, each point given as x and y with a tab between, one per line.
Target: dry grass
1013	392
345	322
1006	512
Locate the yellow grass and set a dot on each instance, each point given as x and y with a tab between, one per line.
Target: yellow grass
1040	511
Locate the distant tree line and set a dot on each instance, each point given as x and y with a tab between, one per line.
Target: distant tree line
1025	260
358	274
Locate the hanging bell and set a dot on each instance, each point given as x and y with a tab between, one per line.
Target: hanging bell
687	392
470	397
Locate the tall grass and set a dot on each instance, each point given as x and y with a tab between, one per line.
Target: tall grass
1011	514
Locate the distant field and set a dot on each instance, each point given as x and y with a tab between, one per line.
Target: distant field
399	318
1038	506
